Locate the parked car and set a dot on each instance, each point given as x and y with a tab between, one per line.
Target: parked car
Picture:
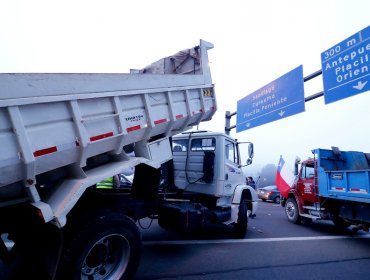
270	193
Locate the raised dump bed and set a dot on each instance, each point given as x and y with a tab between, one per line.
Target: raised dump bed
52	120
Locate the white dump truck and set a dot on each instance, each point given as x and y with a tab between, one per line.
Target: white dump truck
207	183
61	134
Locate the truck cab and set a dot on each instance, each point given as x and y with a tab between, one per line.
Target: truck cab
306	183
207	172
207	162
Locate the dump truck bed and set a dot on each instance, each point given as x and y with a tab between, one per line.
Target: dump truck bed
50	120
343	175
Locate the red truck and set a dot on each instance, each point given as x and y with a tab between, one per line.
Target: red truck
333	185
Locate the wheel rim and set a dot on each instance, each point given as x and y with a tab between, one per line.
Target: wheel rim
290	210
107	259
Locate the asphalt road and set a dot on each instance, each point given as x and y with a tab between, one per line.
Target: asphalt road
272	249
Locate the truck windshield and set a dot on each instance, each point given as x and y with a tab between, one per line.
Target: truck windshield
203	144
180	145
308	171
198	144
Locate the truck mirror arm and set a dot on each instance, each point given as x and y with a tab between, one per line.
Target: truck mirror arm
249	162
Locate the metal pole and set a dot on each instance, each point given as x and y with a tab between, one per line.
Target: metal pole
309	77
314	96
313	75
228	127
227	122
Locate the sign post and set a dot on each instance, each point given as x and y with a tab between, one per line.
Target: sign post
279	99
346	67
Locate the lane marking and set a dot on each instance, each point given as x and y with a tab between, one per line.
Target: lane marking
252	240
10	244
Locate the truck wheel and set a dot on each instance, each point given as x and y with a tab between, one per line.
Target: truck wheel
105	245
240	228
340	222
291	211
277	200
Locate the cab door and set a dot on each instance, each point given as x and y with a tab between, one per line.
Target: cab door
306	183
233	174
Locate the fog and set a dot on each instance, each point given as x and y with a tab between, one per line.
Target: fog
255	43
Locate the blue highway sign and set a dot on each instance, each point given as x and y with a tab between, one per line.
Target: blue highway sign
345	67
279	99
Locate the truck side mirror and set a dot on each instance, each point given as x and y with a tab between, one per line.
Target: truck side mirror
250	151
296	166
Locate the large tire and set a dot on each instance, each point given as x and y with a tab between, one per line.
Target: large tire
102	246
240	228
292	212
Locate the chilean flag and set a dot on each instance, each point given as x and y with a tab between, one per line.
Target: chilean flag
284	178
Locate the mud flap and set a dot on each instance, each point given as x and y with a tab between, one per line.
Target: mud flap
36	253
146	182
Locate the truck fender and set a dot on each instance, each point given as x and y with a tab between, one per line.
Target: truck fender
240	192
298	199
